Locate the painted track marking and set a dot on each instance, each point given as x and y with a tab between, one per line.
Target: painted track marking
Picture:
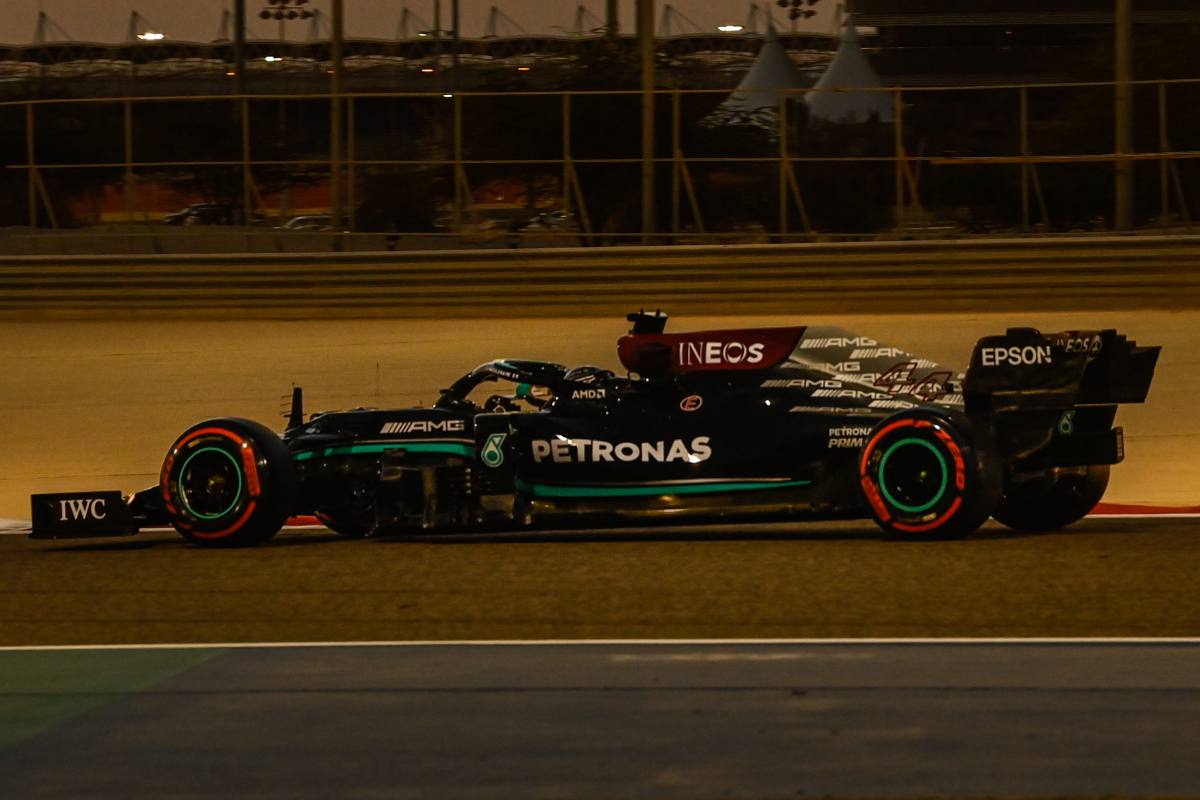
17	527
515	643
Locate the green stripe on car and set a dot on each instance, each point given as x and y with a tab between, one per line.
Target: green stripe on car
649	490
411	447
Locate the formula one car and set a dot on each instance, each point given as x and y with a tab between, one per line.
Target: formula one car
767	423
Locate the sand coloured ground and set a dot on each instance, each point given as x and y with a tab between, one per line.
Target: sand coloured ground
88	404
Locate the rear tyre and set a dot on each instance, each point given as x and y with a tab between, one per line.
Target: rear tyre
228	483
1064	497
928	474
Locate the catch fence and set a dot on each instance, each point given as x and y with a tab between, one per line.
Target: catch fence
466	168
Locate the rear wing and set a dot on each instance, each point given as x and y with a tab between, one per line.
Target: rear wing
1026	370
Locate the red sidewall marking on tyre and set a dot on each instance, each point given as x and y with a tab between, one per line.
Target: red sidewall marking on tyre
872	493
874	499
902	423
928	526
960	464
249	463
231	529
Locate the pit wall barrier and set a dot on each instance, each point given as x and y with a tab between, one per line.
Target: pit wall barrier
1115	272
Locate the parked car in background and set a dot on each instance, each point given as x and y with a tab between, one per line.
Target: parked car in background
553	220
202	214
211	214
308	222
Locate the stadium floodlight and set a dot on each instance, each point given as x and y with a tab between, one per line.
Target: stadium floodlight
282	10
151	36
796	8
729	28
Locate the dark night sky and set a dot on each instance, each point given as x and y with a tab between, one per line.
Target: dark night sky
198	20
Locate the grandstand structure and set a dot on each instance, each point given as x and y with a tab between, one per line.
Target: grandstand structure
969	42
61	65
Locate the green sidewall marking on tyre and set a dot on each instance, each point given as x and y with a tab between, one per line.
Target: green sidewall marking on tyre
883	483
183	495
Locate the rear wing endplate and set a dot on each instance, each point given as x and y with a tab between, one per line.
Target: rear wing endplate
1026	370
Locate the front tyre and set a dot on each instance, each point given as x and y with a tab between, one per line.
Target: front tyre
228	482
1053	501
925	475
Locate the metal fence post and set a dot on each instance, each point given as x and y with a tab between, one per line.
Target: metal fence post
129	180
566	150
1025	154
335	116
239	47
30	166
645	28
247	180
1123	114
459	197
350	172
781	118
1164	197
675	164
898	125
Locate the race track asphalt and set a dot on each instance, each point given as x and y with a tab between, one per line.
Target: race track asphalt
1110	577
695	721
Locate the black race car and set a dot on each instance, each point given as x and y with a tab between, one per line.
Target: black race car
766	423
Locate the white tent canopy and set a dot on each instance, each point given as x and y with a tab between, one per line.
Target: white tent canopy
762	86
849	69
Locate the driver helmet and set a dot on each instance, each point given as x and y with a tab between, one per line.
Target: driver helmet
589	374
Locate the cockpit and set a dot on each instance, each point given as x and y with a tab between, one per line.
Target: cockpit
517	385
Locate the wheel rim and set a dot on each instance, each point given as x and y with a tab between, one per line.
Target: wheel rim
210	483
913	475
